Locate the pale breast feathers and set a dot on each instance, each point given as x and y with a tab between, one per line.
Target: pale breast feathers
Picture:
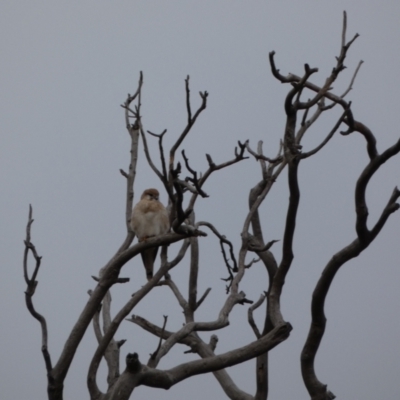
149	216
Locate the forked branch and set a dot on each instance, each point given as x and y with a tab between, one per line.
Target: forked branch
32	283
317	389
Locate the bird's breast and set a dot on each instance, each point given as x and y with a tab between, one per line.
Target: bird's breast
150	219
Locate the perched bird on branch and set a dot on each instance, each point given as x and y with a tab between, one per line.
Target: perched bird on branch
149	218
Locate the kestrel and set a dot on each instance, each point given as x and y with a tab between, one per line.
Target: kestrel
149	218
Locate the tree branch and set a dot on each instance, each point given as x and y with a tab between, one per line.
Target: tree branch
250	315
239	156
30	291
133	130
135	299
326	140
316	389
166	379
191	121
361	205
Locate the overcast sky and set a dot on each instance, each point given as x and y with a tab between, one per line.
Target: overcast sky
65	69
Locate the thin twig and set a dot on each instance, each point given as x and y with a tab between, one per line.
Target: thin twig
161	149
223	240
188	107
194	179
259	156
250	314
326	140
202	298
154	355
30	291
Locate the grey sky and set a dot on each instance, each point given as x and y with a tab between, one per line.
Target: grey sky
65	69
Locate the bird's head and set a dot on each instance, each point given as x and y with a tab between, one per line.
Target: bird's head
150	194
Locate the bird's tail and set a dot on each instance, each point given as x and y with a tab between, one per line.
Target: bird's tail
148	257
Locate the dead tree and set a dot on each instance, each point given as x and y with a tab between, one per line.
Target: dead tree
187	232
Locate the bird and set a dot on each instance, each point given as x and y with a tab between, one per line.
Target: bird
149	218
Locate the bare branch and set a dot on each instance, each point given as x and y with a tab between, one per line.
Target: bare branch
191	121
30	291
252	246
355	126
326	140
364	239
149	327
287	248
223	240
130	98
259	156
96	322
250	315
247	266
154	355
221	322
302	82
194	272
166	379
204	350
188	107
171	284
123	173
239	156
148	157
361	206
114	265
264	170
194	180
161	149
344	29
352	80
133	130
111	354
202	298
307	124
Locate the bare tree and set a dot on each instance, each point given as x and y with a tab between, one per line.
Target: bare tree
187	232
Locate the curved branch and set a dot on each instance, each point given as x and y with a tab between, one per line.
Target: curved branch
239	156
194	179
250	315
161	149
136	298
133	130
148	157
302	82
317	389
361	205
136	374
30	291
287	248
355	126
326	140
191	121
221	322
166	379
108	277
223	240
204	350
259	156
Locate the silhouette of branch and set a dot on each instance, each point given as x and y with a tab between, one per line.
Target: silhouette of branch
32	283
317	389
250	315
